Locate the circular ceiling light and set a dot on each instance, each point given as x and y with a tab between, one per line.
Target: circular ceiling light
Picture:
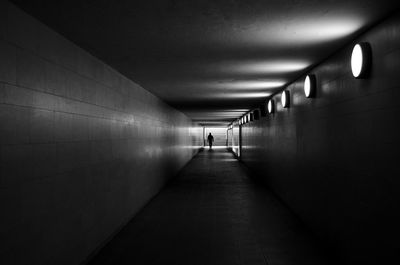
310	86
271	106
285	99
361	60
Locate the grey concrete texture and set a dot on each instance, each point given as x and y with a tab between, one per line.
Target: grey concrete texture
214	213
82	148
333	158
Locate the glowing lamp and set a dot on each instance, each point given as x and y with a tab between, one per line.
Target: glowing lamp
285	99
310	86
361	60
271	106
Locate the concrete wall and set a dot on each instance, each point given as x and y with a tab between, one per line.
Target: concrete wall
333	159
233	139
82	147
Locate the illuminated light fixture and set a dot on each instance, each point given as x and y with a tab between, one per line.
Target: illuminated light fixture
361	60
310	86
285	99
271	106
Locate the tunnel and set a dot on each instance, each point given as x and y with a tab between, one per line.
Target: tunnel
229	132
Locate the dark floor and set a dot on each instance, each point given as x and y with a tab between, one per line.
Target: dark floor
213	213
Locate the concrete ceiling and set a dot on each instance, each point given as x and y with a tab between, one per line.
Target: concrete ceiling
216	59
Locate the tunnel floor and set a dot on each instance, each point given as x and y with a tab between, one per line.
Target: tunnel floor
214	213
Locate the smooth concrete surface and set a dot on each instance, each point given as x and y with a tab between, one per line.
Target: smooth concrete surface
233	141
82	148
204	57
334	158
213	213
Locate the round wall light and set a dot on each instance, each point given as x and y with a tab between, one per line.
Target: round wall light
285	99
310	86
271	106
361	60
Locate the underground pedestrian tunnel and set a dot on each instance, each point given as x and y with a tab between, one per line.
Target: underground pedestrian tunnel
105	110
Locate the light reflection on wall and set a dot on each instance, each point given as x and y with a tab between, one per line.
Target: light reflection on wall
243	95
252	84
306	31
267	66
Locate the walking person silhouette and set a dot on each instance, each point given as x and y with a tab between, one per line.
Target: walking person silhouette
210	140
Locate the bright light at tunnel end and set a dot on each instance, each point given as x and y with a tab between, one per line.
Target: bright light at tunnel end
361	60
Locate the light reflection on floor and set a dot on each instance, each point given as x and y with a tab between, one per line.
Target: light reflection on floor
216	147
